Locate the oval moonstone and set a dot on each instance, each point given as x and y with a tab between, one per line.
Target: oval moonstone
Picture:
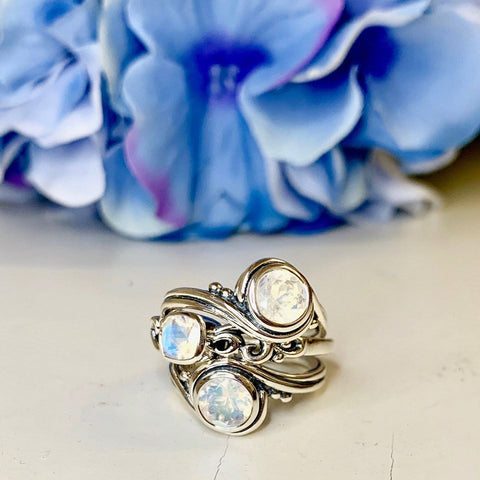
225	402
281	296
181	337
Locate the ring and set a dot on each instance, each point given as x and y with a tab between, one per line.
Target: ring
232	350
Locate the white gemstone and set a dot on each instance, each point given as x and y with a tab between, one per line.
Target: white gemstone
281	296
181	336
225	402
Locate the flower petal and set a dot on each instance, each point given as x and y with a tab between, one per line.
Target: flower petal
126	206
86	117
416	163
157	147
221	190
274	26
30	13
428	99
336	50
35	54
299	123
390	192
372	133
230	188
335	182
119	47
332	187
71	175
284	198
204	158
75	27
55	103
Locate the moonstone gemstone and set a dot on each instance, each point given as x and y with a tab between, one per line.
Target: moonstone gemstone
181	336
281	296
225	402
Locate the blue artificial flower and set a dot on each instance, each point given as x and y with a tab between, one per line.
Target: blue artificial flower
395	75
50	98
262	115
178	70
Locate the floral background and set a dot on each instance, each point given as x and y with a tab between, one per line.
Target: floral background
203	118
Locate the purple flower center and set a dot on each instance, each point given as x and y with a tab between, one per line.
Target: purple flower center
217	66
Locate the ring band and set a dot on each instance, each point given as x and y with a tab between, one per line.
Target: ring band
230	350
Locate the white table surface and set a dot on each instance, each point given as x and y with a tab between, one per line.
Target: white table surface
85	396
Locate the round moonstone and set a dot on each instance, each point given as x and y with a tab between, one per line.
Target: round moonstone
225	402
181	337
281	296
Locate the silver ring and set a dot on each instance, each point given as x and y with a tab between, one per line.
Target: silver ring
232	350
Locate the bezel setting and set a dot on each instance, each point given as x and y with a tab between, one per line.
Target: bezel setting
245	292
201	343
252	297
258	396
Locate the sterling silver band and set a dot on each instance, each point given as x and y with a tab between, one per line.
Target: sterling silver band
230	350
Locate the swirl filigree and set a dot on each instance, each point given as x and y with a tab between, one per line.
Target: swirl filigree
232	341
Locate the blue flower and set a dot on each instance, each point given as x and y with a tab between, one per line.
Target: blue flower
412	65
179	70
263	115
50	98
396	76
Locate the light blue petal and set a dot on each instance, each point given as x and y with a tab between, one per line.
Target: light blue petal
54	102
83	116
336	182
71	175
126	206
165	27
291	32
71	22
352	186
299	123
335	51
33	13
77	27
119	47
25	56
222	189
284	198
230	190
203	168
335	185
372	133
391	192
417	163
50	86
276	26
158	146
429	99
